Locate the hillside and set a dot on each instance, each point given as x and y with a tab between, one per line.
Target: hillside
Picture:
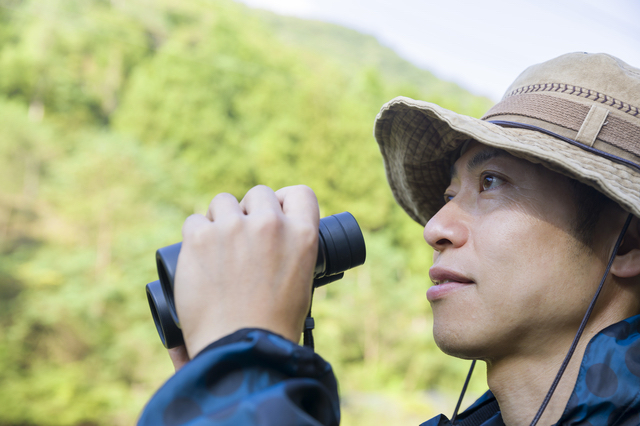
353	50
118	120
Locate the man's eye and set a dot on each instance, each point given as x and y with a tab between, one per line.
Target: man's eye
491	182
447	198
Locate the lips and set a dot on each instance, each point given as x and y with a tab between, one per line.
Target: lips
446	282
441	275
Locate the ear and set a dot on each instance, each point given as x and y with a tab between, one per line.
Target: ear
627	261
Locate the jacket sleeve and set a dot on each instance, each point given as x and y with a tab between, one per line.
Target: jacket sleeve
251	377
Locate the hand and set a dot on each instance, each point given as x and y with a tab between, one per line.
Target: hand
247	264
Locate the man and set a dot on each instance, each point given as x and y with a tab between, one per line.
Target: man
527	210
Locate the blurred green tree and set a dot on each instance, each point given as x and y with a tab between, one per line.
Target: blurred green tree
117	120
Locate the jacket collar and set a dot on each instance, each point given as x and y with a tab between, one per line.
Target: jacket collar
607	390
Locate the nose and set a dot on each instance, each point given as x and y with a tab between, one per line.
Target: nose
448	228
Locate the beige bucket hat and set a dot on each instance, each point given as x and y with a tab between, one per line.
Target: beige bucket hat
577	114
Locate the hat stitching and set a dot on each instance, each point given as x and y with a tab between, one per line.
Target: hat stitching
549	87
538	106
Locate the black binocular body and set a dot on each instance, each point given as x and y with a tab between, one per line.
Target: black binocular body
340	247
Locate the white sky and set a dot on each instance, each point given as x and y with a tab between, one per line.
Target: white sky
482	44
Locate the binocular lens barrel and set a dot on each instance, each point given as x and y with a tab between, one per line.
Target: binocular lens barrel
168	331
340	247
340	244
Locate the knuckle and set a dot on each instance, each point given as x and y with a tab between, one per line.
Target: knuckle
197	237
229	225
221	197
262	188
303	190
306	233
190	224
268	222
259	188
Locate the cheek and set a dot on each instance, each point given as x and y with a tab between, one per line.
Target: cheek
506	238
525	257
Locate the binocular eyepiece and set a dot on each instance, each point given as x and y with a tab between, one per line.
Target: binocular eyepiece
340	247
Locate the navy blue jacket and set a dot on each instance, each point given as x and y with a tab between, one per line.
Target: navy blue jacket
254	377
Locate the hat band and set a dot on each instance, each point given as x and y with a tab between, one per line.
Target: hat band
581	92
541	109
595	151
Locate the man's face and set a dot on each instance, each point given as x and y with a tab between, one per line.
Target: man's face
511	275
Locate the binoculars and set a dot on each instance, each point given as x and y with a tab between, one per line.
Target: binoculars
340	247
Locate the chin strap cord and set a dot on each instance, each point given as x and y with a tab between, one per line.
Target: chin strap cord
309	325
574	344
464	390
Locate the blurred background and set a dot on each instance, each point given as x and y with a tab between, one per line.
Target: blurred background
120	118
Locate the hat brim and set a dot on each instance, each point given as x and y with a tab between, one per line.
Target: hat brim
420	141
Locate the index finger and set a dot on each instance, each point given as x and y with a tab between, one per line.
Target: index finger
299	202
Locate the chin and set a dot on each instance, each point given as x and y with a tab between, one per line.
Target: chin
457	344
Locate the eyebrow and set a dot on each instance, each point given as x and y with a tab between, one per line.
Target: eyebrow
478	159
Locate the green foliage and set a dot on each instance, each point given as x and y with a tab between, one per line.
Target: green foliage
72	57
117	120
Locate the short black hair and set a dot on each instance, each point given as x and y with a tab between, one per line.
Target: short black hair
590	203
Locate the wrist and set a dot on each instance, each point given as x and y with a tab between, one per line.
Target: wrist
198	340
